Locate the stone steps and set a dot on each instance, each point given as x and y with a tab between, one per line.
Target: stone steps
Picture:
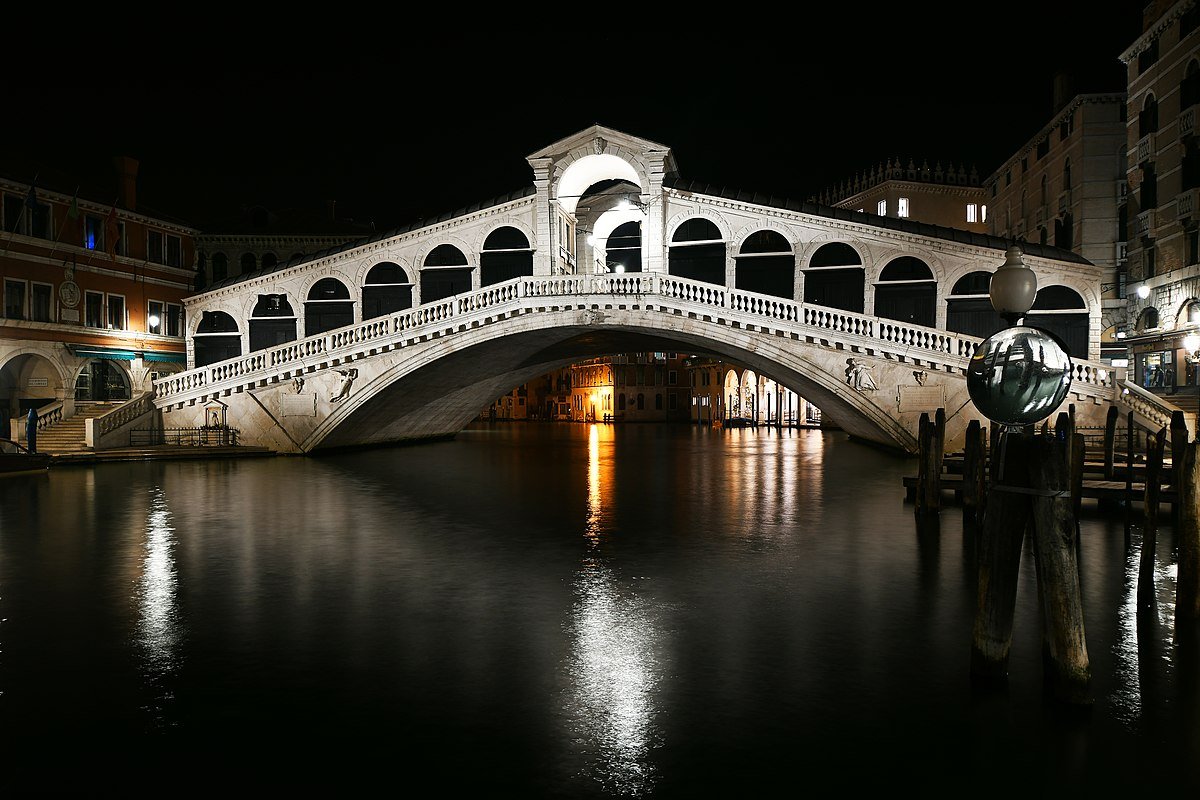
68	436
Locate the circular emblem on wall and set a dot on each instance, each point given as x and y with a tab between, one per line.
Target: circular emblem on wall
68	293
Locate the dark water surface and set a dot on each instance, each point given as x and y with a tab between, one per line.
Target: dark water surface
553	610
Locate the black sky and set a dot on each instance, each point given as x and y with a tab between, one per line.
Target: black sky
397	128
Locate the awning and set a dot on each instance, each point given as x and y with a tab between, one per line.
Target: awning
120	354
176	357
104	352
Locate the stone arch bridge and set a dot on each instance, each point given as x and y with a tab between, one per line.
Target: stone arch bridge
405	336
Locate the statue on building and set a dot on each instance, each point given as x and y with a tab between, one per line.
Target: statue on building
920	376
348	376
858	376
298	384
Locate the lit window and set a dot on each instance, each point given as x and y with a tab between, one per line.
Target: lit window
902	207
971	212
983	213
881	209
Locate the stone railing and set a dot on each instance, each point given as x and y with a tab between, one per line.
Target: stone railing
46	416
1156	411
654	290
112	429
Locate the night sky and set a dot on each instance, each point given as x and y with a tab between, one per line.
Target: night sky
398	128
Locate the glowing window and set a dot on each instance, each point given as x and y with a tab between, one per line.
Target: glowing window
881	209
971	212
902	207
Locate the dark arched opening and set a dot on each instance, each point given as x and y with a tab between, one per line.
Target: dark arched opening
907	292
506	255
766	265
273	322
969	307
444	274
328	306
387	290
835	278
623	248
216	339
697	252
1062	311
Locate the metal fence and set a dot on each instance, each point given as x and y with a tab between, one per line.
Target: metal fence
216	436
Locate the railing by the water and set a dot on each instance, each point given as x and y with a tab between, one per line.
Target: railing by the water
212	436
1155	410
125	413
665	292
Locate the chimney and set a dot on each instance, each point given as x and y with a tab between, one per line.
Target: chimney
1064	90
127	168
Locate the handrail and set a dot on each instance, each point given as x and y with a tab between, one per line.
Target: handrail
124	413
1149	405
658	289
49	414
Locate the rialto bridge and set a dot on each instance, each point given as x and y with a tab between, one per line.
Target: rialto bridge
408	335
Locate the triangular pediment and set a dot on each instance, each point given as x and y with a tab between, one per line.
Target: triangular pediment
599	136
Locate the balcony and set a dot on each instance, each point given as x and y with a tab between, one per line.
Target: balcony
1122	253
1187	122
1144	224
1122	191
1185	204
1145	148
1064	202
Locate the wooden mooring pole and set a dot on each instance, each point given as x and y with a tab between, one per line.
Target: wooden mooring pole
1179	442
1054	541
930	441
1155	443
1032	493
1110	443
1187	584
974	465
1128	478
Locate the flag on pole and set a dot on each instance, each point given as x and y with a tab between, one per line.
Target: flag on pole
111	232
73	211
31	199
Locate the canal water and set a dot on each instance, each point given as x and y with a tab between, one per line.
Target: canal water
554	610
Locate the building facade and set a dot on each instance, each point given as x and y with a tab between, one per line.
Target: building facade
953	197
1163	174
93	296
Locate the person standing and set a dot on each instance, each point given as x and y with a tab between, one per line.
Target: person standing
31	430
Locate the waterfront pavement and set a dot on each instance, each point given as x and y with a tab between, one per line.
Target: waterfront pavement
157	452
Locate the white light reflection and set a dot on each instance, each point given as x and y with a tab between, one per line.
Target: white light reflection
158	628
613	671
1129	698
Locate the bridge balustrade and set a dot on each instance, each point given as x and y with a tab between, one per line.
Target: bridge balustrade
353	341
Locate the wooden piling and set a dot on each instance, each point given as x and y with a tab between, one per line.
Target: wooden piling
1187	584
1110	442
1128	477
930	439
973	483
1179	440
1005	518
1053	527
1155	443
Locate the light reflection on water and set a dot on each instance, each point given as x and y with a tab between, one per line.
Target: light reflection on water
158	629
612	672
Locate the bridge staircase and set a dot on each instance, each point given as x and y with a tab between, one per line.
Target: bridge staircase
69	436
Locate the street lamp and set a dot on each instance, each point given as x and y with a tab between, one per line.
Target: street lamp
1013	287
1191	343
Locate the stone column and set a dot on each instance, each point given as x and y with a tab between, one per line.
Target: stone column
543	254
656	212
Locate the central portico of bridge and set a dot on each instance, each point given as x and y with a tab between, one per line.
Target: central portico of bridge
407	335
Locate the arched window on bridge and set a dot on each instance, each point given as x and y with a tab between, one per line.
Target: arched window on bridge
386	291
907	292
834	277
273	322
217	338
697	251
969	307
766	265
623	248
328	306
506	255
1062	311
445	273
249	262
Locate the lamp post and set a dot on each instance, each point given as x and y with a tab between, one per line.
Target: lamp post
1191	343
1013	287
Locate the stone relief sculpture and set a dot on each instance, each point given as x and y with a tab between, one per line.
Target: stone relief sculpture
591	316
298	384
348	376
920	375
858	376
